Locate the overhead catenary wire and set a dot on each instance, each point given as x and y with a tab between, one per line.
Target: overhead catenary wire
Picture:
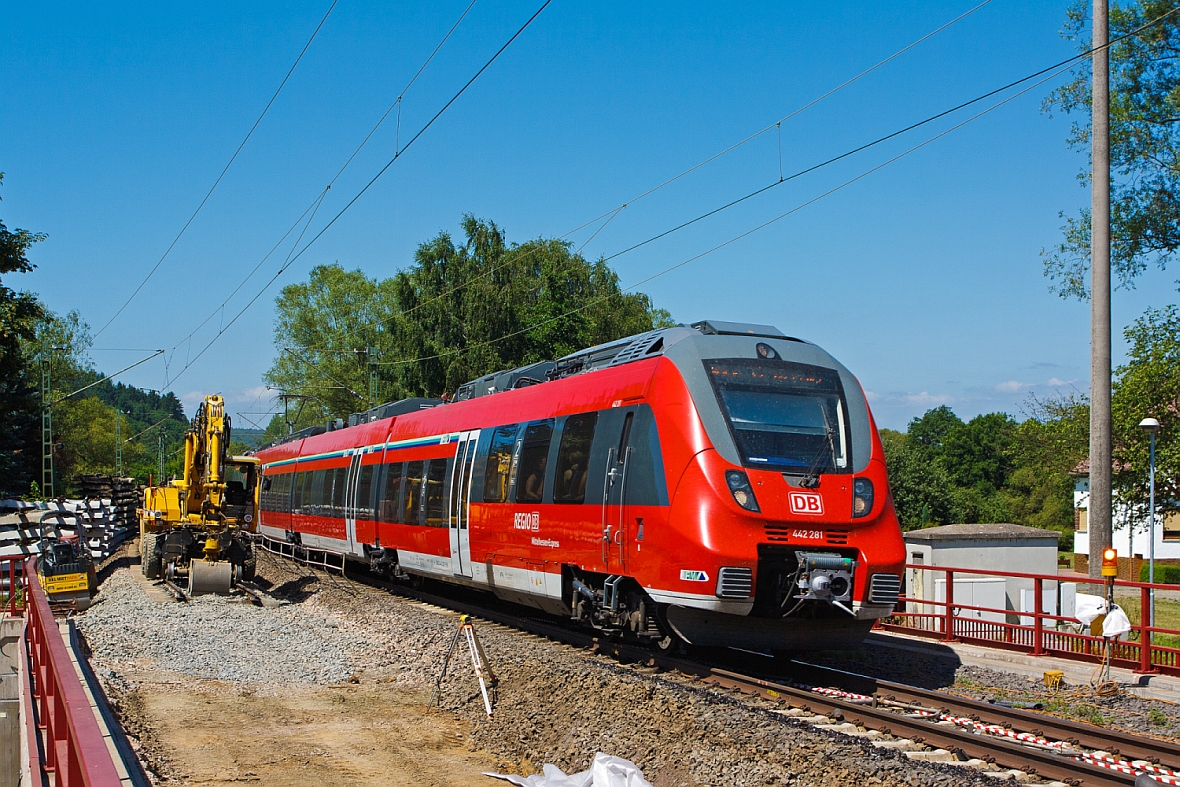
834	159
189	362
150	428
107	378
313	208
778	123
611	214
421	131
735	238
1062	65
224	170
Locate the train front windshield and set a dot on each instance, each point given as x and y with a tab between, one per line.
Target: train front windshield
784	416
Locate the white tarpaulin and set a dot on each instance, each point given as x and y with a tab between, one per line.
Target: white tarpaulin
1115	624
1089	607
605	771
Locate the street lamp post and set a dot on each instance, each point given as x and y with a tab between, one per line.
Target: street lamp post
1151	426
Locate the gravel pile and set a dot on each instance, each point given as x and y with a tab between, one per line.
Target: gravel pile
216	637
1124	711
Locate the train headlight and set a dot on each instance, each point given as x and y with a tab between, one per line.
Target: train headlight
862	497
743	493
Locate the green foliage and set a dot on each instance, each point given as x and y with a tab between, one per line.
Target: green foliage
920	487
988	469
459	312
19	406
84	423
1144	144
1164	575
1149	385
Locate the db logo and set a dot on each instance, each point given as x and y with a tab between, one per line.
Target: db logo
808	503
524	520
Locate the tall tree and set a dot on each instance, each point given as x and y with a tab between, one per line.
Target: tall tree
19	407
1144	144
1148	385
460	311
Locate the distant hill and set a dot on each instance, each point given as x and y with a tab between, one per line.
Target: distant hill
251	437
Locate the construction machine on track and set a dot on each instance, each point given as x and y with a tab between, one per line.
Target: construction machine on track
193	528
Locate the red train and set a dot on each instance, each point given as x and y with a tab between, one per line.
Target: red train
722	484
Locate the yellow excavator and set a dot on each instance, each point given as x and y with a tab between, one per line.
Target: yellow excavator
192	529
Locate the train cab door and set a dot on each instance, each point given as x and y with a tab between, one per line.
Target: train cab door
350	506
614	494
460	503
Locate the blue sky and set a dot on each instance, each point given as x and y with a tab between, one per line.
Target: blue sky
922	277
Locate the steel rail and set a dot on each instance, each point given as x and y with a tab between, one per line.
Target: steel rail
964	744
1116	742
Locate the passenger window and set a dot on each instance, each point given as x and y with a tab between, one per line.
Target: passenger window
413	492
495	481
285	492
573	458
436	477
364	493
318	477
303	493
389	496
338	491
534	454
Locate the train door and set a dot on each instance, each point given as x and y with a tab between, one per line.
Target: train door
460	503
614	495
350	506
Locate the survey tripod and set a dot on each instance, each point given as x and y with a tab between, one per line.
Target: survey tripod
479	662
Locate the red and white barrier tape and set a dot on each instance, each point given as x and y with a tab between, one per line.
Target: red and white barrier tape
1160	774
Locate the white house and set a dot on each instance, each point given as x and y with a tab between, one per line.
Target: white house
1130	527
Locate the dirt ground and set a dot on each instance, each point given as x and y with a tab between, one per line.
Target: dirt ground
217	734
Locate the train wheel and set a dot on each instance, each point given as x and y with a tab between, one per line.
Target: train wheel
150	558
249	566
670	643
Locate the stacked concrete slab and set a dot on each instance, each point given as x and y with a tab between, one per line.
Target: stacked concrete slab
23	524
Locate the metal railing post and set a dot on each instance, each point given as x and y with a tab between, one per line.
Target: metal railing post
948	626
1145	624
1038	623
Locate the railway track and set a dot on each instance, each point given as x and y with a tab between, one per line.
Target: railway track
975	733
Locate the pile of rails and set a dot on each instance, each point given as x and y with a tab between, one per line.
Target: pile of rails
95	522
122	495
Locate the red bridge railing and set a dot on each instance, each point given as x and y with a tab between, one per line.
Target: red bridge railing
1147	649
62	735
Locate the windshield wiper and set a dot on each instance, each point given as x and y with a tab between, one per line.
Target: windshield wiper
811	478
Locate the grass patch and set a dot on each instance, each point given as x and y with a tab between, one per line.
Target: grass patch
1157	718
1167	615
1081	711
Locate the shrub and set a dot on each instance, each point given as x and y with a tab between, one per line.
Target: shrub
1166	575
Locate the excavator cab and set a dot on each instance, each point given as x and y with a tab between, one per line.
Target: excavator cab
241	491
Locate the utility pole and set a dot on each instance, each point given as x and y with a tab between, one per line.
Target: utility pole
118	448
160	475
46	424
1099	513
372	353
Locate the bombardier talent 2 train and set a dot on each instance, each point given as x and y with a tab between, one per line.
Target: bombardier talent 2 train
720	484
